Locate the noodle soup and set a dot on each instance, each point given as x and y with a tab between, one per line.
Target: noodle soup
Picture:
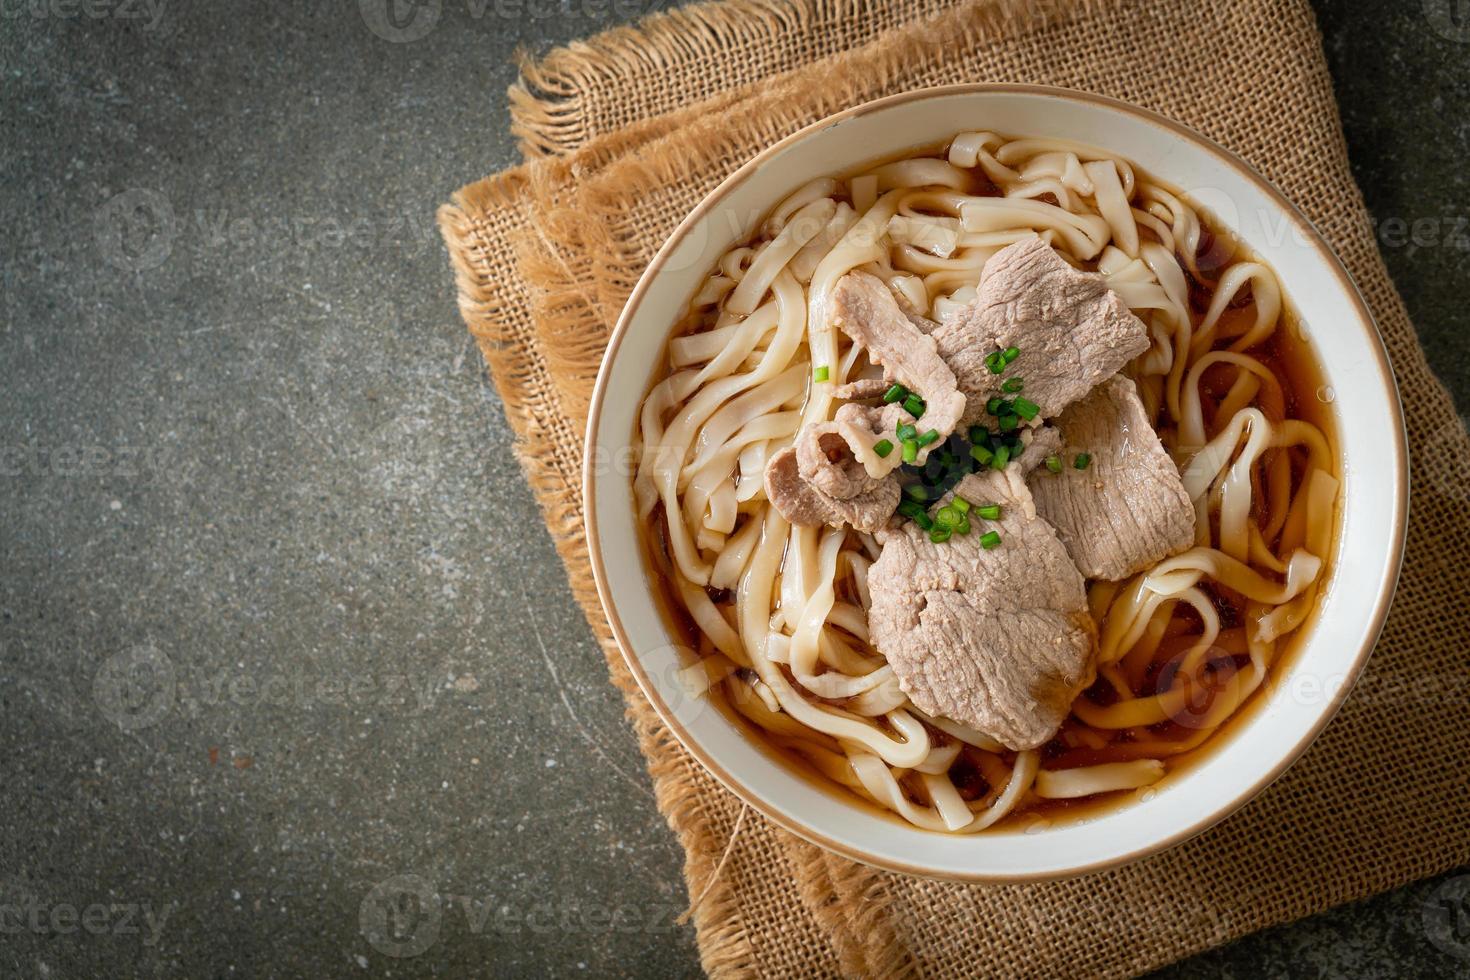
780	614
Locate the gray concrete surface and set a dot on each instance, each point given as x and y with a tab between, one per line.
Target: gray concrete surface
248	450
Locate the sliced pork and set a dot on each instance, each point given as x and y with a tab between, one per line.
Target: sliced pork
1036	445
864	309
801	503
861	388
1127	510
827	479
1072	331
827	452
997	639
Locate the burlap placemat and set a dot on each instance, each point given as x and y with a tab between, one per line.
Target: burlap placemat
631	129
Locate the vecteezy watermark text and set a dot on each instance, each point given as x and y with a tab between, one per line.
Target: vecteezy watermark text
1452	231
404	915
140	229
406	21
35	459
141	686
40	918
150	12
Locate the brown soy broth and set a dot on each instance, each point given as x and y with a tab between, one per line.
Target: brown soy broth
1287	353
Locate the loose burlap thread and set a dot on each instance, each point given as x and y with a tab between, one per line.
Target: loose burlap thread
625	133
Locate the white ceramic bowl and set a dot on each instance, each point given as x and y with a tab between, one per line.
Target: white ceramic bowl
1370	431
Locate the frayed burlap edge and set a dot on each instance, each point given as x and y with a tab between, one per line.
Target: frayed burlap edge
548	111
551	104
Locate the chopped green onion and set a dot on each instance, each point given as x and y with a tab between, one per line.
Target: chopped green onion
1028	410
907	431
1054	463
1001	458
1082	460
979	434
939	535
1010	354
882	447
895	394
924	521
1012	385
995	363
916	491
820	374
914	405
963	527
993	406
980	454
932	436
910	451
912	509
960	504
990	512
947	516
1008	422
990	539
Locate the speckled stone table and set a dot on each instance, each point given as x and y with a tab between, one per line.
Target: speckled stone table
248	449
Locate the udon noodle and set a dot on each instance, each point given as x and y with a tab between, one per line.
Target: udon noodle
778	612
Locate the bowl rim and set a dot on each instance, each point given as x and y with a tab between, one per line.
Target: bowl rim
1226	158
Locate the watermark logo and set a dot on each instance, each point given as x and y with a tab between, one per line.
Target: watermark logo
401	21
1447	917
401	916
136	230
135	688
1450	19
1189	696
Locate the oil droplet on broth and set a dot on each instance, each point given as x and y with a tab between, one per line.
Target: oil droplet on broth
1326	394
